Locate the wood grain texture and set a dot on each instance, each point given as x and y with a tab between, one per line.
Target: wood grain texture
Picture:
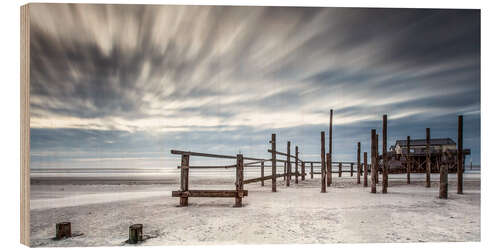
25	125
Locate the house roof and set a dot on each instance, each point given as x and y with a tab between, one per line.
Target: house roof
422	142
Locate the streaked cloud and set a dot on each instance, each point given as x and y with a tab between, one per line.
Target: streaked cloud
144	71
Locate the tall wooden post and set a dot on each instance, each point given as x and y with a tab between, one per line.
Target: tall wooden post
184	180
330	150
262	173
296	165
239	181
365	169
358	168
352	168
273	166
288	167
385	172
443	177
340	169
303	171
323	163
408	160
376	159
374	164
312	171
460	158
427	157
328	168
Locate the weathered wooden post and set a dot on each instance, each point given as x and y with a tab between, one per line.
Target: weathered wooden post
296	165
443	177
460	153
273	161
288	166
385	172
330	151
63	230
135	234
312	171
352	168
323	163
365	168
328	168
284	171
377	167
408	160
239	180
358	168
262	173
303	170
428	157
374	164
340	169
184	180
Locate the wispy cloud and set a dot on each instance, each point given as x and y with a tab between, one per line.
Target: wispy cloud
147	72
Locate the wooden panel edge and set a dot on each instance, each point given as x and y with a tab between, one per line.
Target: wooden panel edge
25	125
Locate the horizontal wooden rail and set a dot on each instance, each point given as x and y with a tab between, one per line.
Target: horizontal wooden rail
207	167
180	152
268	177
209	193
256	162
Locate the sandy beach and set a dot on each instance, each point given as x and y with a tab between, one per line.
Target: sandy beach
347	213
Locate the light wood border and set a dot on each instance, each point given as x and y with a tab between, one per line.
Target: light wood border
25	125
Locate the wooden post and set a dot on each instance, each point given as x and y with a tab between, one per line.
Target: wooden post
273	160
330	150
408	160
323	163
63	230
340	169
385	172
184	179
374	164
135	234
284	171
312	171
443	177
296	165
460	159
303	170
427	157
262	173
358	168
377	167
239	180
365	168
288	167
328	168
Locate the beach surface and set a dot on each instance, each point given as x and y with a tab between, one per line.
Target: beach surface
347	213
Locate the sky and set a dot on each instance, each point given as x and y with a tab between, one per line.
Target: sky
119	86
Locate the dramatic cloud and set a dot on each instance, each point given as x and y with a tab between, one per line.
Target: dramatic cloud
138	79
